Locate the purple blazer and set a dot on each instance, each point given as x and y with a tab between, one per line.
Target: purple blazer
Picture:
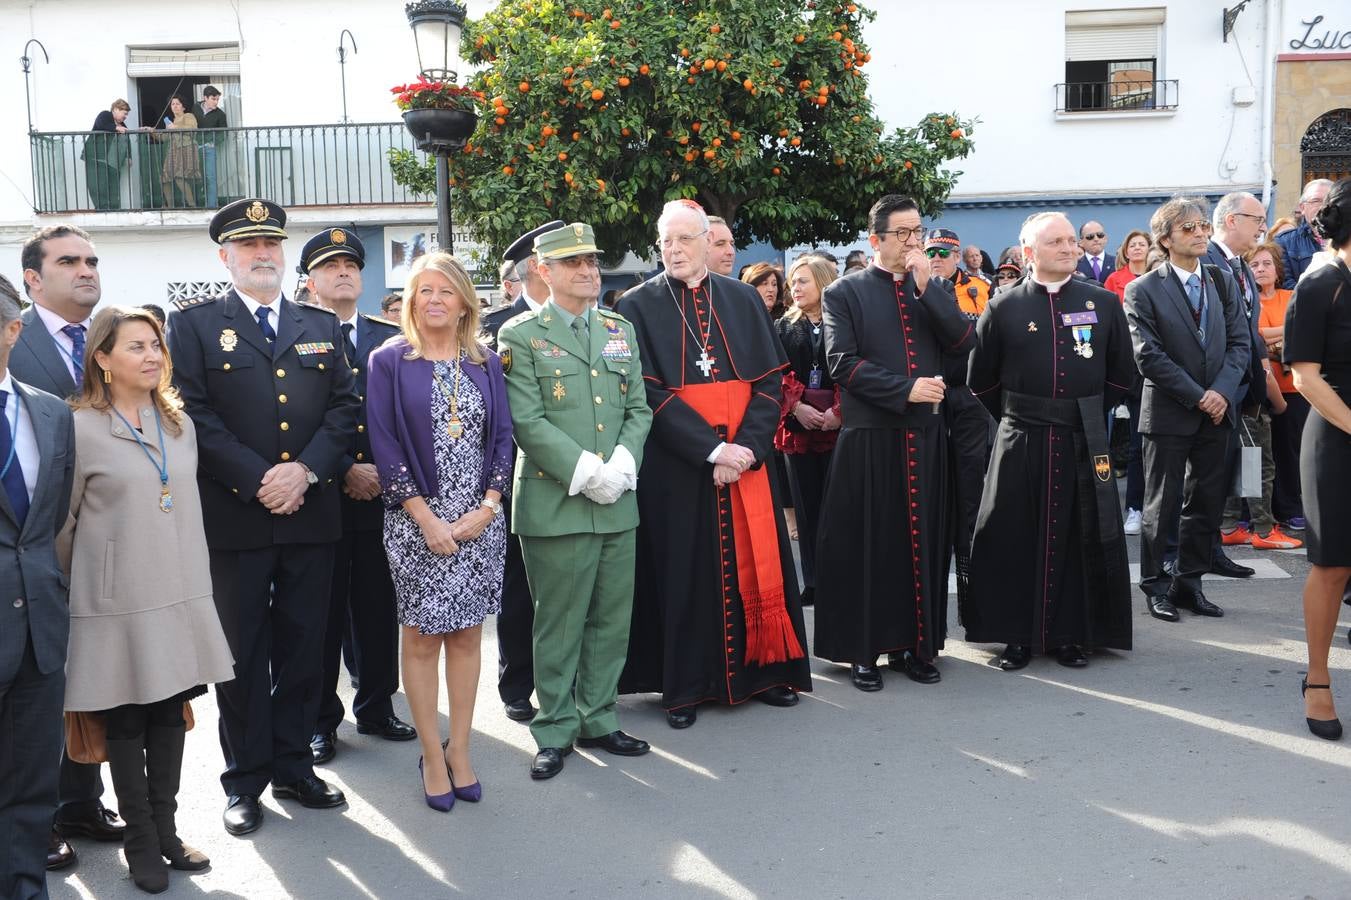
398	414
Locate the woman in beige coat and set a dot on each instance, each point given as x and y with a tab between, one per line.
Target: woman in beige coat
144	634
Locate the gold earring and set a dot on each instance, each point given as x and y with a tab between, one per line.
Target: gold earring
107	377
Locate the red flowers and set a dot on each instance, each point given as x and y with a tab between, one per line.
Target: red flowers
424	94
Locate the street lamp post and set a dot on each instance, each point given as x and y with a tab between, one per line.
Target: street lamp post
437	25
342	65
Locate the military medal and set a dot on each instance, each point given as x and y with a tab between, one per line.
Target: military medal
1031	326
228	340
559	391
166	499
1083	335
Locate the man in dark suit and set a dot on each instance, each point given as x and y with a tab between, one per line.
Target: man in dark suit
61	277
274	404
1095	263
516	621
1191	343
363	594
37	457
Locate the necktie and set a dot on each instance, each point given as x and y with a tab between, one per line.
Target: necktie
76	335
264	324
347	329
1194	297
1236	266
579	328
1097	269
15	488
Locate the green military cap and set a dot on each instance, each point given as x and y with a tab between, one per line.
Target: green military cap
576	239
248	218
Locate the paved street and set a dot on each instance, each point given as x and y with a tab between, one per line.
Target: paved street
1182	769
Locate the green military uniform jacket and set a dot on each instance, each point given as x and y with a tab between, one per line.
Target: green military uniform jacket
567	399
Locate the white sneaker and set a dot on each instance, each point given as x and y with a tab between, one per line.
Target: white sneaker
1132	521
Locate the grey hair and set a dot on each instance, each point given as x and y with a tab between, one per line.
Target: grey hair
1174	211
676	208
1316	183
523	269
1229	205
1032	225
10	307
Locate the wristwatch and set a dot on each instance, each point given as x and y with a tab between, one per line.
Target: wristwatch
310	477
492	504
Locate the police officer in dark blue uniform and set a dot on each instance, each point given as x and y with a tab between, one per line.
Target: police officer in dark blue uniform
362	609
515	662
274	403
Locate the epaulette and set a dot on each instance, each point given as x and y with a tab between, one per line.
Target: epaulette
380	321
611	314
522	317
190	302
317	307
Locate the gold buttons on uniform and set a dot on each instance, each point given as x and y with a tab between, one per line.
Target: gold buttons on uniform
236	490
558	371
601	454
600	427
540	474
355	370
321	367
281	398
226	367
285	426
599	401
360	456
281	373
595	374
285	456
361	428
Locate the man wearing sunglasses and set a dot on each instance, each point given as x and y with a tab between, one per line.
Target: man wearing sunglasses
1192	344
1095	263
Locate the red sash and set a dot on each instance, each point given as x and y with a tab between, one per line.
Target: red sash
769	630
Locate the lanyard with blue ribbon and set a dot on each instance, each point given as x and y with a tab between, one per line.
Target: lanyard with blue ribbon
166	500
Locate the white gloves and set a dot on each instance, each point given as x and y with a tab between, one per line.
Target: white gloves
604	482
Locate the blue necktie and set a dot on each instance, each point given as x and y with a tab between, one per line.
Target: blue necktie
264	324
15	488
1194	297
76	335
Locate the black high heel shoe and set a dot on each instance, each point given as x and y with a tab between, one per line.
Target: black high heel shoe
1327	729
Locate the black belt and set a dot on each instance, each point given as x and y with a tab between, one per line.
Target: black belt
1097	490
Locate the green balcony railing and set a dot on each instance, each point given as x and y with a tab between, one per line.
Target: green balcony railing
294	165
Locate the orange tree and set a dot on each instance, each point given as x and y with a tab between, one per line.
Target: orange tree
601	111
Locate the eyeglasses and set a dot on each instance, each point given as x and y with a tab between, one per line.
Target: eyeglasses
684	240
939	252
1007	276
588	261
1190	227
1260	220
1094	236
903	234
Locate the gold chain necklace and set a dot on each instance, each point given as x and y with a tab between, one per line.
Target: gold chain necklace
455	428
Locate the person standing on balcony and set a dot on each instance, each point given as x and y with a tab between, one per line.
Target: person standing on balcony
210	115
60	276
105	152
182	168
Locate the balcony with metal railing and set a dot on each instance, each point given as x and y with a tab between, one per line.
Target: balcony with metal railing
1116	95
295	165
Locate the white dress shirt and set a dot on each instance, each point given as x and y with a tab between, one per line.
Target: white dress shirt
535	305
64	344
25	439
252	305
356	328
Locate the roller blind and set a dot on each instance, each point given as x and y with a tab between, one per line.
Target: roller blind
1113	34
152	62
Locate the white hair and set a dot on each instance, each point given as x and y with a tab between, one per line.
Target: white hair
1033	224
675	208
1229	205
1316	183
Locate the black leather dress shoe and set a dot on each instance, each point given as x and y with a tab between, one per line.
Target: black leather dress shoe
1223	565
60	853
866	678
683	717
312	792
616	742
243	813
548	762
323	747
1014	657
778	696
101	824
519	710
1072	656
391	729
914	668
1160	607
1197	603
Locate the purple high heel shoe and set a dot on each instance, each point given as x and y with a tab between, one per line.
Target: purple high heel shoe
438	802
470	793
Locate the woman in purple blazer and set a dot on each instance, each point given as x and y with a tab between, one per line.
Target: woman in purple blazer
440	430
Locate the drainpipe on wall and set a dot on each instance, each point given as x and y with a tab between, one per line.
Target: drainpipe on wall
1270	48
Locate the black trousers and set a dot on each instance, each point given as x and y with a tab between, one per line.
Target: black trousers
31	730
273	605
515	629
1189	473
361	607
807	483
1287	499
971	430
131	720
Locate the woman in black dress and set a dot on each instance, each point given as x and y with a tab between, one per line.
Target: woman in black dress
1318	349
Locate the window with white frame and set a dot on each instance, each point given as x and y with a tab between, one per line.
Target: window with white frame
1112	61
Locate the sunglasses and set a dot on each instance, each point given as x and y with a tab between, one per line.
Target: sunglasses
1192	227
1007	276
939	252
1095	236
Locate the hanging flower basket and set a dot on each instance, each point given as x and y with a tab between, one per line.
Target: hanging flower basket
439	116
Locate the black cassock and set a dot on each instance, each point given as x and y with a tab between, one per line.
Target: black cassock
688	638
886	521
1048	561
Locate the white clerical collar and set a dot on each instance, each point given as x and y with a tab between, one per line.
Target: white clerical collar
693	283
895	276
55	323
1053	287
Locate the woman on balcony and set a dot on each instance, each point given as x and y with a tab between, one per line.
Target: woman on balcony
182	167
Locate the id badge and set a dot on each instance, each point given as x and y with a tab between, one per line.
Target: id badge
814	379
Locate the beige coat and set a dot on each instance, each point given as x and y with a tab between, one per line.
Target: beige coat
143	626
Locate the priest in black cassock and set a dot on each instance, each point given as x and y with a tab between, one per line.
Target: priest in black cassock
1048	561
886	526
716	611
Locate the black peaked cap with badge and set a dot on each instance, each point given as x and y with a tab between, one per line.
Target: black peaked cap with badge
524	245
248	218
328	244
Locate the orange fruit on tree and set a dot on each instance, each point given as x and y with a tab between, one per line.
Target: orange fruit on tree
956	133
685	52
563	156
644	69
624	81
605	14
625	132
690	80
547	130
690	156
587	85
709	64
775	170
525	87
709	154
568	70
748	84
717	142
567	176
736	135
695	126
799	38
909	164
684	139
576	136
796	142
500	121
783	132
507	170
715	28
597	94
600	184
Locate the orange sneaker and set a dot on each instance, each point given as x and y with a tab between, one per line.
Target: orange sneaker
1276	540
1240	535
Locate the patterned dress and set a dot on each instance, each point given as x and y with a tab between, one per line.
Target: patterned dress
440	594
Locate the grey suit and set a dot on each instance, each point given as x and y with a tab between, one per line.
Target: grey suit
38	362
34	627
1184	451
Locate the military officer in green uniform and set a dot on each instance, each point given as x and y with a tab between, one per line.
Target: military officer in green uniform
580	417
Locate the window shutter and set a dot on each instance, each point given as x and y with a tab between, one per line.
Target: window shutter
1113	34
159	62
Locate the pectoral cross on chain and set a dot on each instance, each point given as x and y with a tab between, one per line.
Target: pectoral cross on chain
705	363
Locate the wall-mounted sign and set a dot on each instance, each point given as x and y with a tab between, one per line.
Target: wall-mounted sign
1318	36
405	243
